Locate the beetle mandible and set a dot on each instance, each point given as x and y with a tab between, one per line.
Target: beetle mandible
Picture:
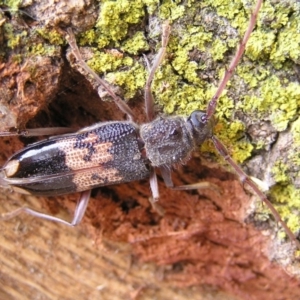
115	152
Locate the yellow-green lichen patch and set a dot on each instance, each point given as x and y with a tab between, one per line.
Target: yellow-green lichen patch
287	45
52	36
171	10
252	78
277	101
279	14
135	44
231	134
228	10
102	62
132	80
279	172
218	49
180	51
29	43
12	4
275	97
14	39
174	95
151	5
120	70
260	44
115	17
286	199
280	40
294	162
286	173
114	21
231	10
295	130
282	101
294	150
177	86
115	45
89	38
40	49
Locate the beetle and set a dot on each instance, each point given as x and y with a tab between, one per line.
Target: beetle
115	152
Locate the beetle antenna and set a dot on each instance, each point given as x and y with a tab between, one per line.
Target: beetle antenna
228	73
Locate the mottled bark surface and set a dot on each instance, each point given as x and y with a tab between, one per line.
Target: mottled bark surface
206	246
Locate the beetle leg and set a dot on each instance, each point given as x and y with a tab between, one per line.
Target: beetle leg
78	214
155	193
39	131
154	186
166	175
149	102
149	109
81	207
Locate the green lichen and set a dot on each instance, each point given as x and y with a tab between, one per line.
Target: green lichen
286	196
14	39
218	49
41	49
151	5
26	43
279	172
114	21
232	134
170	92
279	100
231	10
253	80
133	79
260	44
287	44
89	38
171	10
135	44
287	201
12	4
116	16
176	96
52	36
295	130
102	62
17	58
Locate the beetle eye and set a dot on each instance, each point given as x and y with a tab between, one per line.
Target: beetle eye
198	118
175	132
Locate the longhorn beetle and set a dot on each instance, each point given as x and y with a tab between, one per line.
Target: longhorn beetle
121	151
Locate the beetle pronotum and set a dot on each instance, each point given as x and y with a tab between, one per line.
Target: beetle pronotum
114	152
